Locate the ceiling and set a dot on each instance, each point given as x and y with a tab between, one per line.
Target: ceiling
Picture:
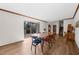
43	11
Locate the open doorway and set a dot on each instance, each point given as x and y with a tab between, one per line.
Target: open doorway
54	29
49	28
61	28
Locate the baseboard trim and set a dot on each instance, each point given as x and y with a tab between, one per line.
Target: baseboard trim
12	43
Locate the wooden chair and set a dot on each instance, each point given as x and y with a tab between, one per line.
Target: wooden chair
48	39
70	35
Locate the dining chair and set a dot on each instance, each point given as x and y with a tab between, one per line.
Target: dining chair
35	41
49	40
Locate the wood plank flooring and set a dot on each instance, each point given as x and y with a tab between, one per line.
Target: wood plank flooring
59	47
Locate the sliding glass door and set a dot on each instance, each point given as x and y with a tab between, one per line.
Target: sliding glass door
30	27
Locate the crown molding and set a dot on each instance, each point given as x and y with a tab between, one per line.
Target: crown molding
39	19
74	14
21	15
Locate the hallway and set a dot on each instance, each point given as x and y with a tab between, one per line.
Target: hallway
59	47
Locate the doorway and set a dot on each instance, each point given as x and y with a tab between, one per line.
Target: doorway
49	28
54	29
30	28
61	28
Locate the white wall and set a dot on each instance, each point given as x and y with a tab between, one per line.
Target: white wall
55	23
77	29
66	22
12	27
42	26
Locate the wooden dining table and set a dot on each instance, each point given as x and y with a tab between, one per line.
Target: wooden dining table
40	34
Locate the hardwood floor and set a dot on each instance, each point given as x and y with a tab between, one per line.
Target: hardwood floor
59	47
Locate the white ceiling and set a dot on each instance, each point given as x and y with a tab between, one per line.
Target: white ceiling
43	11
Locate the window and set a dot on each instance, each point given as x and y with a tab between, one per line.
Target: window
30	27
